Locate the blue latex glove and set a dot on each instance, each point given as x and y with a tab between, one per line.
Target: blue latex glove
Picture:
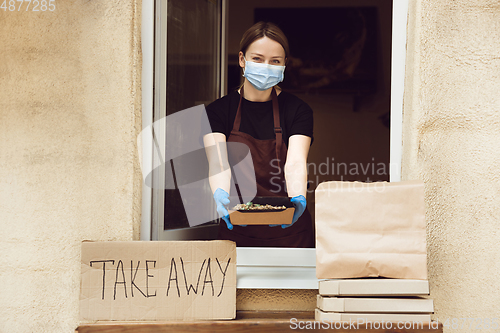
299	202
221	199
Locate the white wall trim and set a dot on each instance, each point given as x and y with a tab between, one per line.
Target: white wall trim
147	47
399	32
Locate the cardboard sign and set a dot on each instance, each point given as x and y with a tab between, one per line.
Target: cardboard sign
175	280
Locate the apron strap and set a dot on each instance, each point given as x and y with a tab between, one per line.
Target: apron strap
278	131
237	121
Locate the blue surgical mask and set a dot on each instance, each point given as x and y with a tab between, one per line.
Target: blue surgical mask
263	76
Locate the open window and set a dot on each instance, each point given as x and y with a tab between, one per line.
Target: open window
188	48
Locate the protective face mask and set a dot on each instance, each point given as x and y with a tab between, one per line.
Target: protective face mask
263	76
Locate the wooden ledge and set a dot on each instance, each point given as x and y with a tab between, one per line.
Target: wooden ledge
245	322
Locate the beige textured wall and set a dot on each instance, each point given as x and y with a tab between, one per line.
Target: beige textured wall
276	299
451	136
69	116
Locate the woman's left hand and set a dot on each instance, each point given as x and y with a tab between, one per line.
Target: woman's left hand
300	203
300	206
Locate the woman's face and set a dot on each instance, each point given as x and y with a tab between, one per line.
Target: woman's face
264	50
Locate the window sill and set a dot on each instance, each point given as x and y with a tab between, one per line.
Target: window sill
276	268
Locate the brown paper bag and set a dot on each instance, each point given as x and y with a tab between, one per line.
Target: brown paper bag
370	230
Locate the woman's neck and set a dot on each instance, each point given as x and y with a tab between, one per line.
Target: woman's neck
254	95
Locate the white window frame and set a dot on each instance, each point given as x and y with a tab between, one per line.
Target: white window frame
274	268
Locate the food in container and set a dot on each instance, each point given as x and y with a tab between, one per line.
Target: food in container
261	211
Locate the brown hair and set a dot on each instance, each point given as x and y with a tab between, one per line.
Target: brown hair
264	29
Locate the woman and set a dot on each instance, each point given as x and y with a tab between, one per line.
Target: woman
278	129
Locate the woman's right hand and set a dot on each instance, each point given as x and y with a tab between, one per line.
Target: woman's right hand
221	200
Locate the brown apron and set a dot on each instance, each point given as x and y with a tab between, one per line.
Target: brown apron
300	234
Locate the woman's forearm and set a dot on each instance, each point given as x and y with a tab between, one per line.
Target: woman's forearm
296	178
219	179
219	171
296	165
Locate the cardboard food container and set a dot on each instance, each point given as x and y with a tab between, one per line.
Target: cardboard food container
265	217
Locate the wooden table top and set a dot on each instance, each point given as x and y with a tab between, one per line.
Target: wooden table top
250	322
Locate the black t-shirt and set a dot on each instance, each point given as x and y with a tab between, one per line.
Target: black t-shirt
296	117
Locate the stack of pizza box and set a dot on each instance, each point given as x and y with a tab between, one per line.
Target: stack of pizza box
374	299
